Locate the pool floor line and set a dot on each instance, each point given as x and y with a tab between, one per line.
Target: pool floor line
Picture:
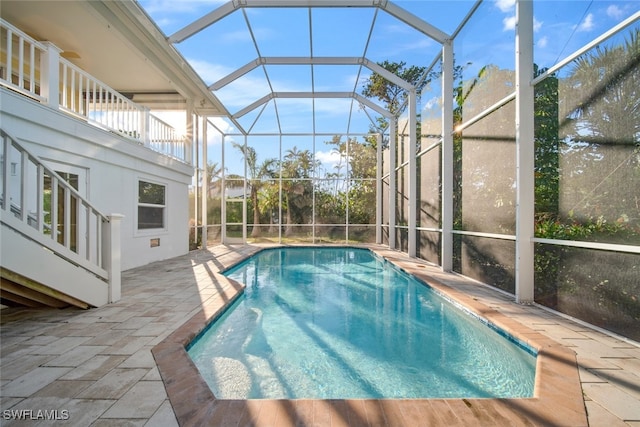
557	397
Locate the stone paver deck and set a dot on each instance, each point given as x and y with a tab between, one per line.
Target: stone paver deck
97	367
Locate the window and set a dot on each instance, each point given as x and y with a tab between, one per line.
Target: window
151	205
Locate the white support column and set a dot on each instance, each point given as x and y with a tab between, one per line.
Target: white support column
191	135
196	193
50	69
244	198
205	179
379	188
446	239
525	153
111	251
145	120
413	173
223	193
280	224
393	182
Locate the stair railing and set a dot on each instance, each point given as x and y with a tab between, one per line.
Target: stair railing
38	203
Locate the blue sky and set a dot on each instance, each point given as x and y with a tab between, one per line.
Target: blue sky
561	27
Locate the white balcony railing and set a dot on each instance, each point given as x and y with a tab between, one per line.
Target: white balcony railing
163	138
37	70
20	57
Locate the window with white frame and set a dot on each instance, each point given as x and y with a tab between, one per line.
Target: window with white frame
151	205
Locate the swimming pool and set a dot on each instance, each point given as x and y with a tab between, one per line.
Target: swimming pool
334	323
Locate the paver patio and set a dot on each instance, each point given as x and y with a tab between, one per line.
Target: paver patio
95	367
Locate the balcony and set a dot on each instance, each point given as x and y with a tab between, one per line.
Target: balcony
39	71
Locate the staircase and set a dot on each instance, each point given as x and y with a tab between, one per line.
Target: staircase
57	249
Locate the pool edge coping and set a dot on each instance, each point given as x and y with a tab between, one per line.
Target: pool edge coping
558	398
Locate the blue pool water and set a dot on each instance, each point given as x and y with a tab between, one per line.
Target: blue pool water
337	323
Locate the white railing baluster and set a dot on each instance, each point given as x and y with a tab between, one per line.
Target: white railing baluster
32	68
9	76
110	113
98	241
87	234
54	208
5	171
24	181
73	91
66	218
40	199
76	230
65	89
21	63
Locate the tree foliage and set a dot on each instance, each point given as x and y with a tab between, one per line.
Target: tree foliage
258	172
393	96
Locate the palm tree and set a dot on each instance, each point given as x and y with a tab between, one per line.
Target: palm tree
257	173
297	167
600	126
604	86
213	175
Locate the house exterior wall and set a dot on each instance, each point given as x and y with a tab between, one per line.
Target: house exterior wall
113	167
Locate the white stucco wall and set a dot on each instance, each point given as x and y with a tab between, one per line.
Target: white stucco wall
113	166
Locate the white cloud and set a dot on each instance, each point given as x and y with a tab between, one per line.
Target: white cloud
615	12
536	25
238	94
333	106
509	23
328	159
587	24
213	136
418	45
505	5
235	36
542	42
209	72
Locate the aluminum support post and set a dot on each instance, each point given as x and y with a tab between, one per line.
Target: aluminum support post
244	198
379	188
446	241
205	178
525	153
223	193
413	173
393	182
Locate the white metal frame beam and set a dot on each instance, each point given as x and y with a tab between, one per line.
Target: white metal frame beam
293	95
285	60
203	22
231	6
